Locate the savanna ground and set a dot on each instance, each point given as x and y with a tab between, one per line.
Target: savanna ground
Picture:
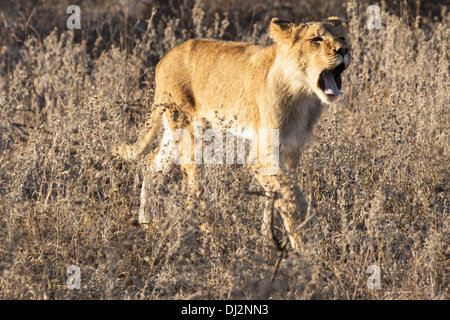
376	171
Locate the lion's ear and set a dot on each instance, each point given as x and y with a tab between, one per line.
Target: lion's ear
336	21
281	31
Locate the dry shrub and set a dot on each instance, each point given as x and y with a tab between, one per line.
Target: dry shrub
376	171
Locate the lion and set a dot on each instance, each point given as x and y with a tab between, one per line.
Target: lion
247	86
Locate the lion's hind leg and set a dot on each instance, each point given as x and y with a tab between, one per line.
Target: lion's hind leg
158	163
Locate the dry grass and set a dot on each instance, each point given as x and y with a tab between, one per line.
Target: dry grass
376	171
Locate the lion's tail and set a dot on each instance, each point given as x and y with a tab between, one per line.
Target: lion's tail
133	152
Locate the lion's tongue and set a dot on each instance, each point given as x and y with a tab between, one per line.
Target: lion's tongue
329	83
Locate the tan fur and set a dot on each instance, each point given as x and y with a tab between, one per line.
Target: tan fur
251	87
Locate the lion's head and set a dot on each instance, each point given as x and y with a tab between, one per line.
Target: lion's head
316	52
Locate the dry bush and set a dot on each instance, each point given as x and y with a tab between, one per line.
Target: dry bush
376	171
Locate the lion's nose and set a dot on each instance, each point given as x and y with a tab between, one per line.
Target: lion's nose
342	51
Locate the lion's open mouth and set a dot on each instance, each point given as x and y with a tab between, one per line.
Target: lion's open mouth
330	80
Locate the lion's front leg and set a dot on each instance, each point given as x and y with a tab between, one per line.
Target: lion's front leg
290	202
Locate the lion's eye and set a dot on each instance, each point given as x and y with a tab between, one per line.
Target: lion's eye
316	39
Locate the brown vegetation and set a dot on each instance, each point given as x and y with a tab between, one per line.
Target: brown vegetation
376	171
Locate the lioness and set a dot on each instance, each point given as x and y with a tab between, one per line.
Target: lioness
249	86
